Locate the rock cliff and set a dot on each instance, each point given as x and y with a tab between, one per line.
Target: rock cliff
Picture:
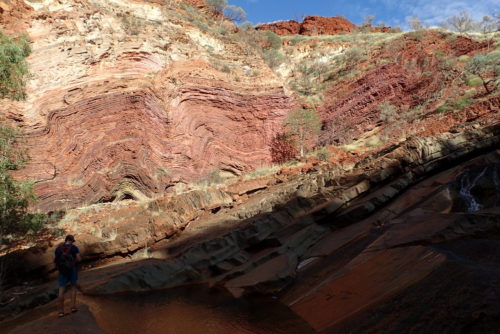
127	105
310	26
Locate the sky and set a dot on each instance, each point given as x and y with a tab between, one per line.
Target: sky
390	12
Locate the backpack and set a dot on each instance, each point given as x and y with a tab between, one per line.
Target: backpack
65	261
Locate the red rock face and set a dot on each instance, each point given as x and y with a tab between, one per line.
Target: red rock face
318	25
105	123
311	26
282	28
412	77
13	14
112	145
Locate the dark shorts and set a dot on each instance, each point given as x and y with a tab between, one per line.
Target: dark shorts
64	280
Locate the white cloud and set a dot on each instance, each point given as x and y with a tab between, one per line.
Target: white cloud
434	12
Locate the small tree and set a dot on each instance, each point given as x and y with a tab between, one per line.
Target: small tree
13	67
217	5
461	23
231	12
305	126
483	65
487	25
369	19
235	14
388	112
415	23
15	196
246	25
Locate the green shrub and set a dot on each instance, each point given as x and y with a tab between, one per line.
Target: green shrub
354	56
416	35
323	154
13	67
462	102
388	112
444	108
131	25
15	196
214	177
439	54
273	58
304	125
273	40
451	37
486	68
473	81
297	39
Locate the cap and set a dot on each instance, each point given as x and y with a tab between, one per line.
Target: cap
69	237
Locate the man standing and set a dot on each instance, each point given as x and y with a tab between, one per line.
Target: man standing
66	257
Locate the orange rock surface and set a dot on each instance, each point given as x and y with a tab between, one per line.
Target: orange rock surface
310	26
116	112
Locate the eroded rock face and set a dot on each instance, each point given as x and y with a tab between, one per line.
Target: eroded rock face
410	79
310	26
115	112
14	15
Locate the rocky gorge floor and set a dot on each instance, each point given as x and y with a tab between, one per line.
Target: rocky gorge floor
368	246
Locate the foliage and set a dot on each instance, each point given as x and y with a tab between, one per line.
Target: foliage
231	12
235	14
487	25
443	108
13	67
304	125
354	56
131	25
462	102
388	112
15	196
273	41
461	23
310	76
246	25
369	19
283	149
273	58
214	177
323	154
473	81
415	23
486	68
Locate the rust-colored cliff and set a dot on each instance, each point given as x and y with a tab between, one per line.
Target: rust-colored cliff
120	105
310	26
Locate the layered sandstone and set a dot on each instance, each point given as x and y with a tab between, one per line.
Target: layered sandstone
347	240
410	77
127	105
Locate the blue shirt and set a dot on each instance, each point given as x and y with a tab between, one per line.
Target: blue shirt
74	250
